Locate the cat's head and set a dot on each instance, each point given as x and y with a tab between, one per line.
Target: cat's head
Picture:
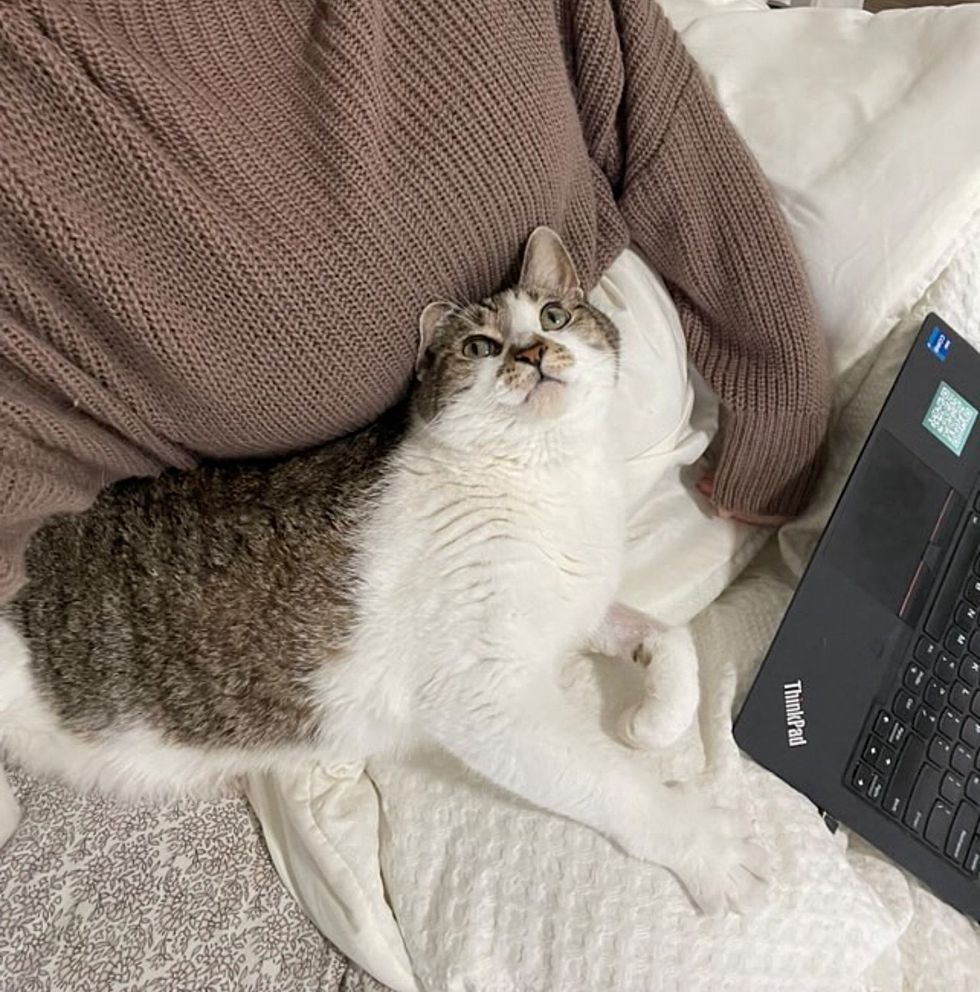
520	363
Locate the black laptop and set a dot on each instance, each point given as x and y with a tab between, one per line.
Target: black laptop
868	701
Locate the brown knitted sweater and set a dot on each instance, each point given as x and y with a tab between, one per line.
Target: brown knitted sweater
219	222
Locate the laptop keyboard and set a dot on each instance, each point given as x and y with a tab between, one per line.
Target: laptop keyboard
919	758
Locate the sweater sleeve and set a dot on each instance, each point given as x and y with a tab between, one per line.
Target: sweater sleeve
698	206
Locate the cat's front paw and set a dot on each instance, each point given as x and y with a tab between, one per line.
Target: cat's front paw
652	724
671	694
712	851
721	865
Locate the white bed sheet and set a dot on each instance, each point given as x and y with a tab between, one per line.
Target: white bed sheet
879	192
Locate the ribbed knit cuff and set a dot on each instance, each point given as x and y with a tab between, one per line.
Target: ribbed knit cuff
784	455
12	574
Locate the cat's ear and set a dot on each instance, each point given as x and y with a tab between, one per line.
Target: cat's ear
431	317
547	264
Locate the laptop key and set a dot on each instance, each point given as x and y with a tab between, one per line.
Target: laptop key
973	787
926	651
972	864
924	794
876	788
897	734
962	832
962	759
951	788
872	749
972	590
935	695
861	778
959	696
884	722
924	722
915	678
905	705
970	671
975	705
940	820
955	642
907	768
885	761
966	615
950	724
939	751
945	668
970	732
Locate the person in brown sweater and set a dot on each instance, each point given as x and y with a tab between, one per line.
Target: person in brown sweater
219	223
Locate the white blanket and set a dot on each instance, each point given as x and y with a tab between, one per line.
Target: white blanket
867	127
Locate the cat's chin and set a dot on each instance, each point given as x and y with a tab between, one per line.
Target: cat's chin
547	398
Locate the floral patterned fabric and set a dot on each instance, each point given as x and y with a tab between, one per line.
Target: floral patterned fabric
100	896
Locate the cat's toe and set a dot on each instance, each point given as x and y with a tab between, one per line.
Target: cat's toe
722	866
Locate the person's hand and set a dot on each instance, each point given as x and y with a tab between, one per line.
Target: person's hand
706	486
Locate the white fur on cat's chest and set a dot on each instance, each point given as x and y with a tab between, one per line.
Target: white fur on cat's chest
507	562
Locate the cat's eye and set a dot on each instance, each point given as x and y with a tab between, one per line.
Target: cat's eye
479	346
554	317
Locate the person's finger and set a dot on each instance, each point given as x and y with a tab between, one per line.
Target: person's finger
758	520
706	486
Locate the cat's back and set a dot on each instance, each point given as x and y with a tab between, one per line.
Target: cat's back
231	579
186	531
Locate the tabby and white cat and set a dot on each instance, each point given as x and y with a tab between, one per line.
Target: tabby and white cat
422	580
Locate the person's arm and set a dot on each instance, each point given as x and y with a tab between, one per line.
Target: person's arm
699	208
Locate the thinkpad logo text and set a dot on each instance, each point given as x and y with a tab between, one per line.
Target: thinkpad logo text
795	717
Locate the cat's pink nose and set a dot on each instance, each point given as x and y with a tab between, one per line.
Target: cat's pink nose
532	355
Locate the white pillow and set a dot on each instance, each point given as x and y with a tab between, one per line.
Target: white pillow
866	126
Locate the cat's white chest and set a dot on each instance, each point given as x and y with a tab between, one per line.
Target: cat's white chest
508	559
564	558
